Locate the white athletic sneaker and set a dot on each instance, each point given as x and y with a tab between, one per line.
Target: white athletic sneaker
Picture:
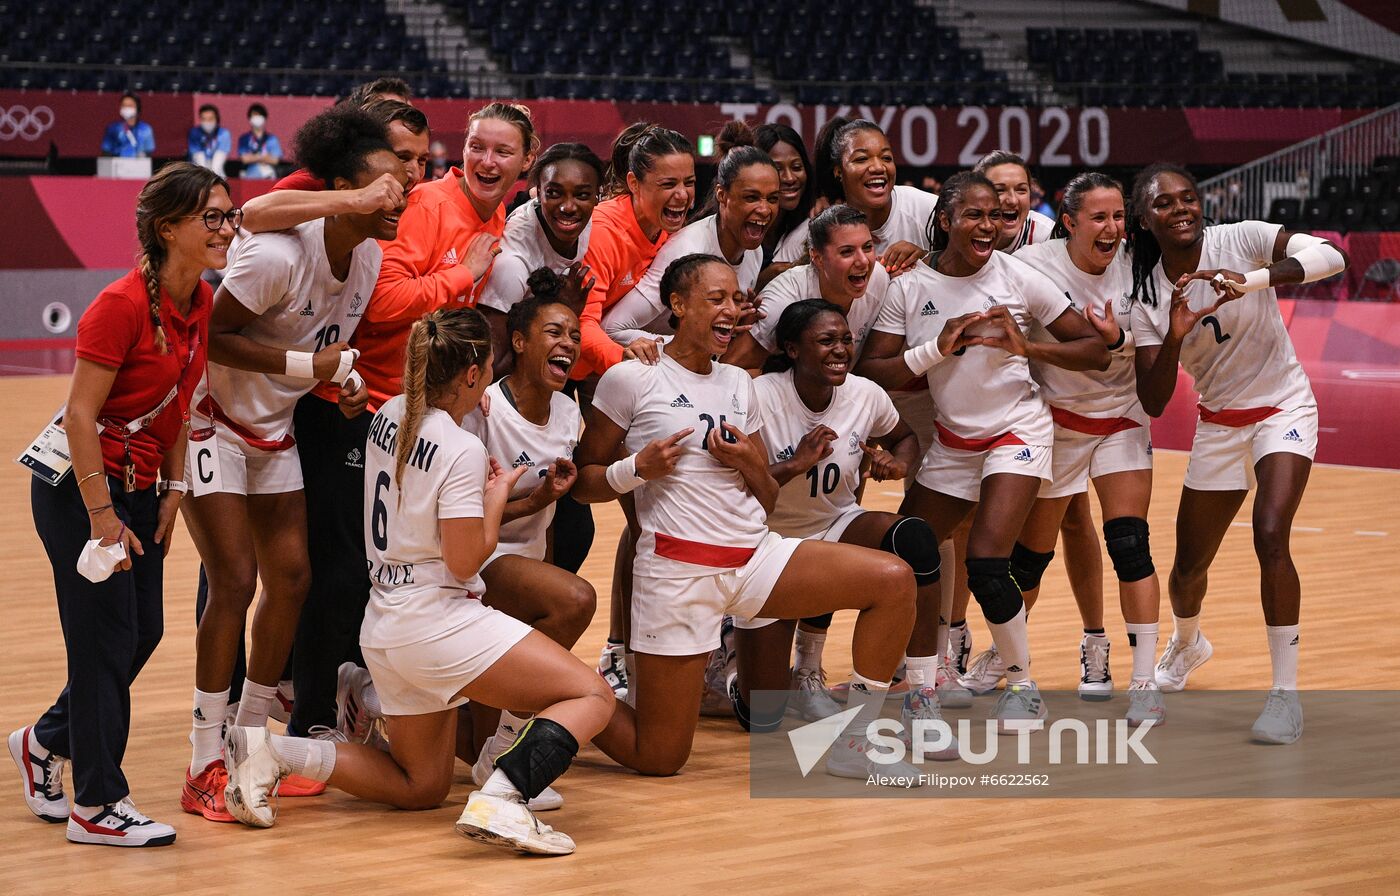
1095	677
850	758
42	776
281	708
951	693
118	824
1179	661
724	661
810	699
613	669
1146	704
985	673
1019	702
254	771
1281	722
545	801
507	822
351	715
922	705
959	649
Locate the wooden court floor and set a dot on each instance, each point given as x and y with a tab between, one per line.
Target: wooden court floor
699	830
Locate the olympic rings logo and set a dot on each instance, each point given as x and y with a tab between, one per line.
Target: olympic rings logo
25	124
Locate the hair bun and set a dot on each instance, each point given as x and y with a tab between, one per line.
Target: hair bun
734	134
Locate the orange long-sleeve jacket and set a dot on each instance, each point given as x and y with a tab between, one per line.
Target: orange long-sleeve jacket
618	254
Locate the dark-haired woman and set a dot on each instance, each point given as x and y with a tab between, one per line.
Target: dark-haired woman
962	320
1020	225
1101	435
744	206
1204	298
843	270
533	424
684	434
140	351
435	499
281	323
826	432
796	188
862	175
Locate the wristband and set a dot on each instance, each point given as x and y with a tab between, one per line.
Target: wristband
347	362
172	485
301	365
1122	338
922	358
1256	280
622	475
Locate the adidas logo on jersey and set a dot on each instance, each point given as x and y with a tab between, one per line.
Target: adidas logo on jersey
682	402
522	461
785	454
306	312
928	310
449	259
1024	455
1292	436
626	279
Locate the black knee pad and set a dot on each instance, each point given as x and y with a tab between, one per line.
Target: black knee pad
539	755
989	579
822	622
911	540
1126	538
1027	566
758	719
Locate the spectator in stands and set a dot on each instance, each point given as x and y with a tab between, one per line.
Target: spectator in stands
1039	202
438	162
931	184
210	142
259	150
129	137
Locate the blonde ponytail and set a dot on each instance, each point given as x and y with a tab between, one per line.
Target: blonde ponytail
440	346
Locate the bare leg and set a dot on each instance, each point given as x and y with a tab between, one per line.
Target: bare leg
1282	477
1201	523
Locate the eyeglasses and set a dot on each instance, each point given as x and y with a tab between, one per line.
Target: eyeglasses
214	219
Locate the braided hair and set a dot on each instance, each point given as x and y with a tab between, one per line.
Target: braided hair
1146	251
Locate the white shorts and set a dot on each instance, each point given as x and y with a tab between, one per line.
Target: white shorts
831	534
675	616
426	676
1223	457
1080	457
245	470
959	473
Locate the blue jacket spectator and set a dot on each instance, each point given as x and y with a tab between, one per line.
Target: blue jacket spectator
210	143
129	137
258	150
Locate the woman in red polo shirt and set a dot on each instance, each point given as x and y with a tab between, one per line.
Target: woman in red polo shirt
141	350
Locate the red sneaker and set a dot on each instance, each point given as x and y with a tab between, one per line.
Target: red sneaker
296	785
204	794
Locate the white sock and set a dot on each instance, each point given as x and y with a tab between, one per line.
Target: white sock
1143	638
256	704
206	734
314	759
499	785
921	670
809	649
1187	628
1013	646
869	695
1283	655
506	733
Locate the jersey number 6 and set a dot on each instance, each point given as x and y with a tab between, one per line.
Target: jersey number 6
379	514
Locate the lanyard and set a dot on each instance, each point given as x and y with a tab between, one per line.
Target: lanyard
131	428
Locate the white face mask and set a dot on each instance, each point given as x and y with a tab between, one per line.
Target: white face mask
129	113
208	127
257	121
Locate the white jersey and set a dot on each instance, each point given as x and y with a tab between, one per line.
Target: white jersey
285	278
799	283
702	510
413	595
859	411
985	393
516	442
524	248
1240	357
792	247
643	310
910	209
1089	393
1035	229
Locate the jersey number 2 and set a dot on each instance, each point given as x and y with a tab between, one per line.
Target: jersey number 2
1214	323
710	427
